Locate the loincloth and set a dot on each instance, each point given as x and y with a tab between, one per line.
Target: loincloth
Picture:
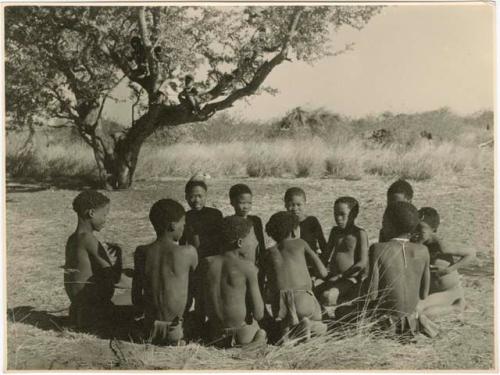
287	310
408	325
227	337
166	333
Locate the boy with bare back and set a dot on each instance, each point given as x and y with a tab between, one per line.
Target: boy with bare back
347	255
160	284
293	302
227	280
445	294
91	269
399	272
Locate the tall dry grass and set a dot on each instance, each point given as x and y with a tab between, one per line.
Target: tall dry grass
309	157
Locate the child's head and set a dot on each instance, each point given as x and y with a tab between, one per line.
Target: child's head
400	218
196	194
399	191
188	80
92	206
429	223
345	211
235	232
168	215
281	224
295	201
240	196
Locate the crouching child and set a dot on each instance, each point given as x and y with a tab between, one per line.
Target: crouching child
161	275
227	279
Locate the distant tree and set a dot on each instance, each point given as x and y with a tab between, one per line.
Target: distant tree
64	62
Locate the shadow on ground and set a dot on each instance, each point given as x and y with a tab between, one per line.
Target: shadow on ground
121	326
32	185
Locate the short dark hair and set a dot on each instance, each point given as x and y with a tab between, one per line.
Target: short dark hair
189	78
281	224
403	216
401	187
429	216
87	200
164	212
294	191
234	228
352	203
239	189
191	184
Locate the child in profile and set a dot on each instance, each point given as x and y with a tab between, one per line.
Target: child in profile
347	254
293	304
228	278
399	191
399	272
446	293
309	228
91	270
161	275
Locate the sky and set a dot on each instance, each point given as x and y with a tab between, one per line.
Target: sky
409	58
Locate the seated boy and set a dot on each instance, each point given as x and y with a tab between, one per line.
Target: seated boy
227	279
293	302
188	96
160	284
399	191
446	293
240	196
347	252
91	270
309	228
399	272
202	230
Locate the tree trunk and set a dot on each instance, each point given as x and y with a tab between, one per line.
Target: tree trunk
117	164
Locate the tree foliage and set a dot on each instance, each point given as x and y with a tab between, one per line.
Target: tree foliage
64	61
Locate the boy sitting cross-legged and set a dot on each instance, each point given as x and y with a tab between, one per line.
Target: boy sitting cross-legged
399	273
160	284
91	268
293	302
227	279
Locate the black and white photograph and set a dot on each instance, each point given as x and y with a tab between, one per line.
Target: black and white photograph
249	186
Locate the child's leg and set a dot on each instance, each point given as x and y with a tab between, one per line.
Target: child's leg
251	334
442	303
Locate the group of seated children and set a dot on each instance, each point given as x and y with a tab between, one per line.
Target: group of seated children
221	265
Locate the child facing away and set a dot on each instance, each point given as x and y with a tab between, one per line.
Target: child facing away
227	279
347	254
399	191
240	196
399	272
293	304
309	228
91	269
445	292
161	275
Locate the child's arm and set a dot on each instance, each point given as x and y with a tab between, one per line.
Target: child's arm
256	297
320	237
91	244
138	278
317	263
426	278
259	233
466	256
194	259
360	266
329	249
373	274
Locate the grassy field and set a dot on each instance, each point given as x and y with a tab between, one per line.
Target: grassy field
39	221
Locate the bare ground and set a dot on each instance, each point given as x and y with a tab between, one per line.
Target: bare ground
39	221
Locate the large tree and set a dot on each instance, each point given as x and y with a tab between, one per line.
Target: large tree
65	61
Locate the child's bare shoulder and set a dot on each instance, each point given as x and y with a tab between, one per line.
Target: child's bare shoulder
86	240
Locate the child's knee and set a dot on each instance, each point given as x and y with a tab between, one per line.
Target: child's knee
330	297
260	336
318	328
